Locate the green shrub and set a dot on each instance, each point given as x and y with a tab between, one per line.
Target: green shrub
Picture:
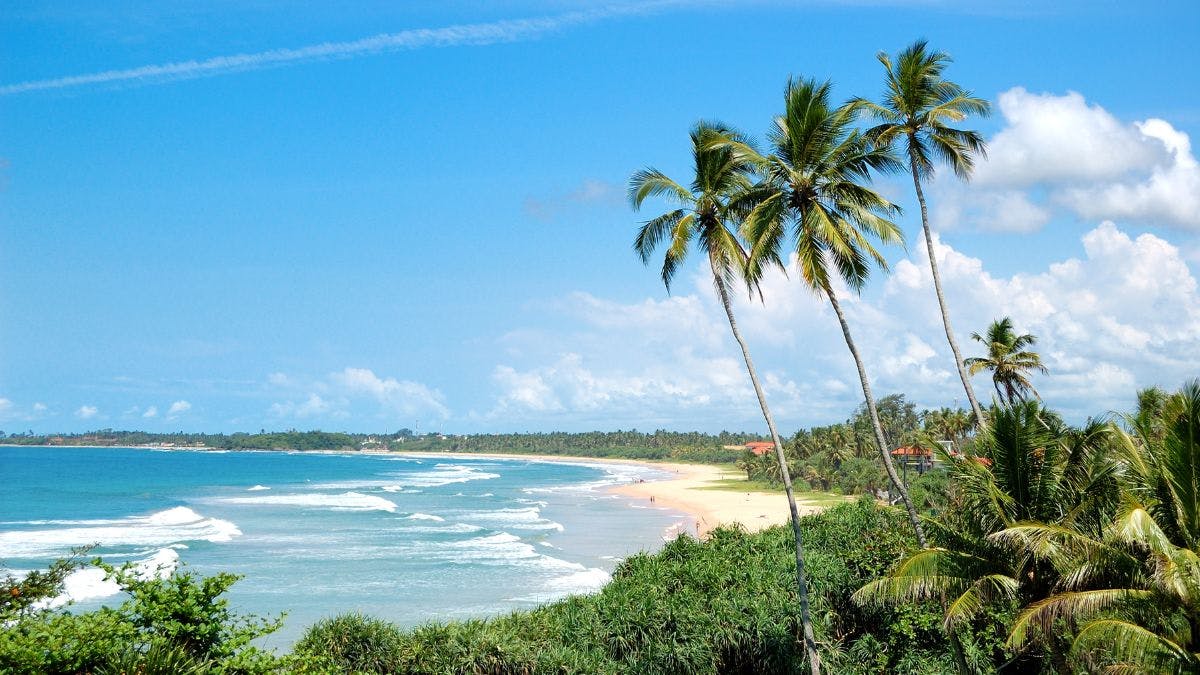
182	615
352	643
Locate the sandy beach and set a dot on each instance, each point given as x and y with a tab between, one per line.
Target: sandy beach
690	491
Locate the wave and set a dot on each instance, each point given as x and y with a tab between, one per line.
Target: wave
347	501
529	518
425	516
163	528
90	583
614	474
257	488
396	481
582	581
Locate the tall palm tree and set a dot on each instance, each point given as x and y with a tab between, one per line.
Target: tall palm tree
704	217
815	181
917	108
1009	360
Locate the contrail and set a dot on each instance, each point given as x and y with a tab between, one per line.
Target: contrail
476	34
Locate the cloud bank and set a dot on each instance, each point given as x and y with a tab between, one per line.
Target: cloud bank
1059	154
1122	313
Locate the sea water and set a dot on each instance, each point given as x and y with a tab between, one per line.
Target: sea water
406	538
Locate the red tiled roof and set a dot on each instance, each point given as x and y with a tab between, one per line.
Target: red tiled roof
760	447
910	451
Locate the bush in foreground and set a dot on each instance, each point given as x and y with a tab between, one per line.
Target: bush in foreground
724	605
177	624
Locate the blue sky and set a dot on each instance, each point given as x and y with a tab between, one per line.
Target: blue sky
416	215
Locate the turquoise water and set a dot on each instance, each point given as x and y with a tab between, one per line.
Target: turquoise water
406	538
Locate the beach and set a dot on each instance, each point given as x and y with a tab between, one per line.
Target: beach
690	490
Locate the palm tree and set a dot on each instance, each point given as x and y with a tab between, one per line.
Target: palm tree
1136	586
815	181
704	217
917	108
1031	471
1008	359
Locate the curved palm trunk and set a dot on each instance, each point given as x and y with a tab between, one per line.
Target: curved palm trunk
810	642
937	287
873	412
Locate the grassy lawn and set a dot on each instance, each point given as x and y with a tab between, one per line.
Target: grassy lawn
814	497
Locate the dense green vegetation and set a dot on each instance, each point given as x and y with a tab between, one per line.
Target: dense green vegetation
176	624
658	445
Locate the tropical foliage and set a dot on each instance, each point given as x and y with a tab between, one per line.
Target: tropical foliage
1009	360
176	624
815	182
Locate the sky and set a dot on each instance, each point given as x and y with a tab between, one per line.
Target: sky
233	216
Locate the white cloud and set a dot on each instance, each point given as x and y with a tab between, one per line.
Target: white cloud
151	412
1121	313
178	408
1050	138
86	412
314	406
12	412
355	392
1060	153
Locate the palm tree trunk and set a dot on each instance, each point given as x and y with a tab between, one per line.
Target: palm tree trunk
810	642
873	412
937	287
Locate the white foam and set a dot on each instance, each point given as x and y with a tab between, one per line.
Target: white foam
163	528
258	488
89	583
579	582
614	474
589	580
425	516
455	528
529	518
439	475
347	501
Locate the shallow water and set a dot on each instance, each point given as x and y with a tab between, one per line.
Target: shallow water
404	538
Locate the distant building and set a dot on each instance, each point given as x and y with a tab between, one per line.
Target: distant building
760	447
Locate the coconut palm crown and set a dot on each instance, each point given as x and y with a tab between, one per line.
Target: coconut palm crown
916	112
706	215
815	186
1009	359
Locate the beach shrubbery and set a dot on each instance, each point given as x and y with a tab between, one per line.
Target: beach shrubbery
167	624
724	605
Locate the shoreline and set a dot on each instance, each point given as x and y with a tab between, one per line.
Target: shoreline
690	490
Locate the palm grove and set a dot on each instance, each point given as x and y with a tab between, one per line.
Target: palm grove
1058	532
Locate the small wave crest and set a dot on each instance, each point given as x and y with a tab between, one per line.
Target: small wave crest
89	583
347	501
425	516
529	518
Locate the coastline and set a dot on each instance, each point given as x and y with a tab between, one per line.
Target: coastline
689	491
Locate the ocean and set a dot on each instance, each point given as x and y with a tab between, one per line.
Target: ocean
405	538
